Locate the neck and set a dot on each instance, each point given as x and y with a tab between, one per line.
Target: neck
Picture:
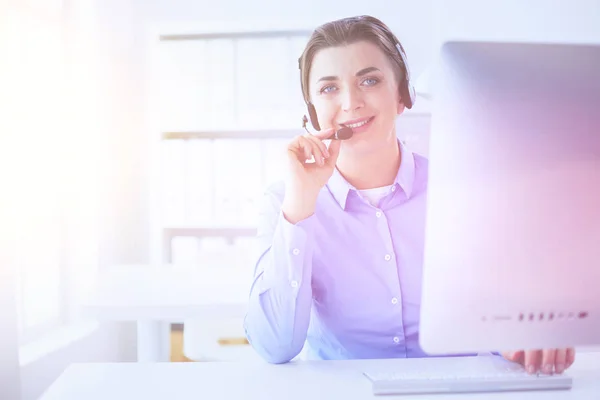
368	170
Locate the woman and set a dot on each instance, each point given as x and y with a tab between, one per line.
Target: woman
342	238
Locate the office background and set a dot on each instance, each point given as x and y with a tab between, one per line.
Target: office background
135	118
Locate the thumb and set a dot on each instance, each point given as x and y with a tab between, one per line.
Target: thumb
334	152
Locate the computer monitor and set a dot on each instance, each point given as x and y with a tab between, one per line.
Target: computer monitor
512	255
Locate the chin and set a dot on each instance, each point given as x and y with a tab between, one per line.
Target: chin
368	142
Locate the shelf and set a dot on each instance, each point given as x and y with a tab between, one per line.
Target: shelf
203	231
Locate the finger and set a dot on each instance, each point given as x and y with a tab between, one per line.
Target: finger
570	357
334	152
548	360
324	134
560	361
515	356
306	146
312	150
299	149
532	360
322	147
303	149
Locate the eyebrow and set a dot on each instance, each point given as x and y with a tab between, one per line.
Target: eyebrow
362	72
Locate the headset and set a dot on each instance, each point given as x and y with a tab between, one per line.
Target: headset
407	93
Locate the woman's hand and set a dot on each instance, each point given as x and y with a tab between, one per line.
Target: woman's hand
311	176
545	361
306	177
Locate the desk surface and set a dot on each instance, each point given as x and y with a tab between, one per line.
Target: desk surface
259	380
168	293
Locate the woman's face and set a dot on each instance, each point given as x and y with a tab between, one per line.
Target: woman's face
355	85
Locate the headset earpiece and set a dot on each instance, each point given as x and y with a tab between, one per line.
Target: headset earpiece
312	113
407	92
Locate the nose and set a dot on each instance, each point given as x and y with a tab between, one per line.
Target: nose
352	99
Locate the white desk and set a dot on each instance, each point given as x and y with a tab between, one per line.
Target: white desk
156	295
259	380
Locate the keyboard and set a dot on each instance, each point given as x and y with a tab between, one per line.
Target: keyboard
460	375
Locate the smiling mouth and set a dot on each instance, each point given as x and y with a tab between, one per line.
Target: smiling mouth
358	124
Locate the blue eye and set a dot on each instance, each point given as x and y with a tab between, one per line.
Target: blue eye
371	81
326	89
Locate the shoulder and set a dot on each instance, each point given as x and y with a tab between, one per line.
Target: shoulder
421	163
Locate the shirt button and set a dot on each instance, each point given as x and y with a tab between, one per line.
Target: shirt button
394	301
388	257
396	339
294	284
378	213
295	252
394	188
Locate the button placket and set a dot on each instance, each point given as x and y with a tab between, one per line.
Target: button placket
385	231
294	283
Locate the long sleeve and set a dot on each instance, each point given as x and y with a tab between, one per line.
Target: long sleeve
278	315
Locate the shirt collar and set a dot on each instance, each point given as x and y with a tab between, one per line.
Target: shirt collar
339	187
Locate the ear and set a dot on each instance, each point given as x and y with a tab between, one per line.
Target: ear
401	107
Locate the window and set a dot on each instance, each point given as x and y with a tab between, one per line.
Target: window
56	216
226	107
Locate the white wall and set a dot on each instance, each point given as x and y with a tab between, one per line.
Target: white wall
124	190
